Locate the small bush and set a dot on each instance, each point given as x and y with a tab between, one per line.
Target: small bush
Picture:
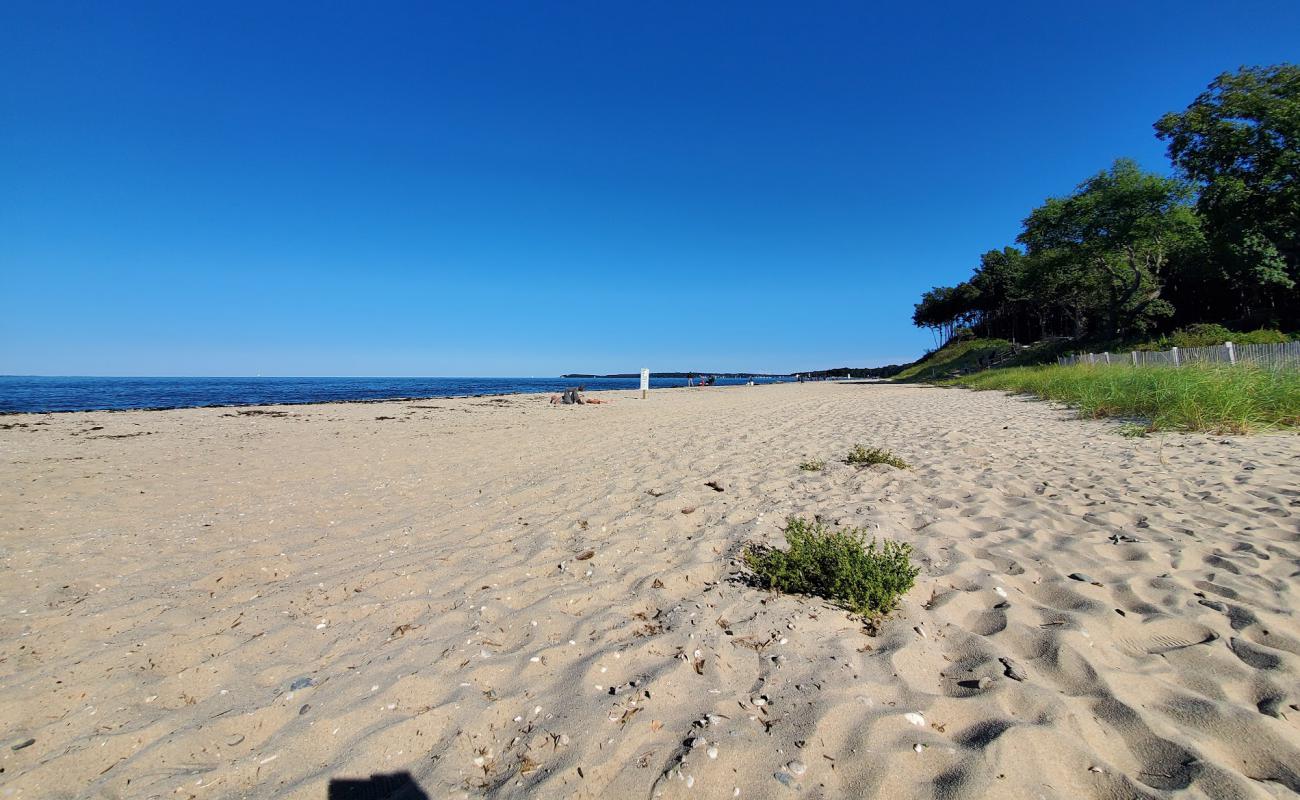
1261	336
1210	335
862	456
1202	335
838	565
1131	430
815	465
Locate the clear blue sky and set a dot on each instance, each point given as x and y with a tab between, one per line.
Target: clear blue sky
525	189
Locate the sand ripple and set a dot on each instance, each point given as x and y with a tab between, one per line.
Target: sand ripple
512	599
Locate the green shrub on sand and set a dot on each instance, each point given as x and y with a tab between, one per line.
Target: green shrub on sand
840	565
862	456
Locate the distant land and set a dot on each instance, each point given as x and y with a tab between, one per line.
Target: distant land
695	374
887	371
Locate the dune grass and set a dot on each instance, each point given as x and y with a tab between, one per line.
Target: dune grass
1223	399
839	564
864	457
954	357
966	356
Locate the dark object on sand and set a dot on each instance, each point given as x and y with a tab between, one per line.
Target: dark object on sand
574	397
1012	669
394	786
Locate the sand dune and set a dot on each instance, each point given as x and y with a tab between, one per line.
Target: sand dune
501	597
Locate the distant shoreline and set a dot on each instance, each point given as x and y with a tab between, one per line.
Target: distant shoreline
542	387
682	375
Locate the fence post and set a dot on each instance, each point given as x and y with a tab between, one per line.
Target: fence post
1135	358
1107	355
1175	351
1232	354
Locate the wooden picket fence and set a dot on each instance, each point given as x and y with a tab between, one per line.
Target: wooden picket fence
1273	356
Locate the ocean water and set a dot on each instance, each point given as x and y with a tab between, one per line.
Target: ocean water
37	393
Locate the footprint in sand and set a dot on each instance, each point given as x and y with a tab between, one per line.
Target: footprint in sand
1164	635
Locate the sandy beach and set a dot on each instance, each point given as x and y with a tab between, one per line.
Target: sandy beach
501	597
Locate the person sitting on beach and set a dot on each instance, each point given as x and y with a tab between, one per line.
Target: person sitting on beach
574	397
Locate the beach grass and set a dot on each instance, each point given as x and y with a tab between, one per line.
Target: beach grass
953	358
838	564
1132	430
866	456
1219	399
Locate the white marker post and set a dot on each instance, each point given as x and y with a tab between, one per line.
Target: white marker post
645	382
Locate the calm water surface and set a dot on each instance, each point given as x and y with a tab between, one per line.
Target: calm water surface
26	393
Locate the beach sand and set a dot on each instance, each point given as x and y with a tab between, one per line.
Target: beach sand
502	597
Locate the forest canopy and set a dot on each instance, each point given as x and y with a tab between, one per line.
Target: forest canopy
1131	253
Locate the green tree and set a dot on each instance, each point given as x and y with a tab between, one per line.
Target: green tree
1110	243
1239	142
999	294
936	312
945	309
1058	296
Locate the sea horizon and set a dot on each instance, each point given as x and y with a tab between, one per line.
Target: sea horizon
70	393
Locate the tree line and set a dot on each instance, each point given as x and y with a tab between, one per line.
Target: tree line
1131	253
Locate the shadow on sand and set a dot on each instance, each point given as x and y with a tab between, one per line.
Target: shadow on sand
395	786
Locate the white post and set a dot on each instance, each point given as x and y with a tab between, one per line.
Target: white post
1135	358
645	382
1232	354
1175	356
1107	354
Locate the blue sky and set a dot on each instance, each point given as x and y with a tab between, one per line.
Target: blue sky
527	189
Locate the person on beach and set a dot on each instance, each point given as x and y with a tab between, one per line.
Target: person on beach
574	397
